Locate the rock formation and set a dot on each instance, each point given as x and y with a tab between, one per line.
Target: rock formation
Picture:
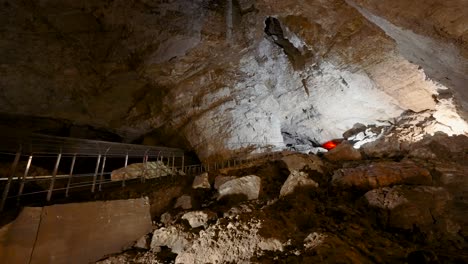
223	79
373	210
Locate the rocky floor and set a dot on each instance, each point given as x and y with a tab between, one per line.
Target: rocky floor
375	205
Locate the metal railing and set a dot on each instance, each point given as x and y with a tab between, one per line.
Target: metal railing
100	160
30	147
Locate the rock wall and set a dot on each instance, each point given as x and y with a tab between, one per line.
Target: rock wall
256	75
432	34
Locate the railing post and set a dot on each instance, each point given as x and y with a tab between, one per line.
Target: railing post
183	161
173	163
54	175
10	178
101	178
23	180
70	175
145	166
126	163
93	187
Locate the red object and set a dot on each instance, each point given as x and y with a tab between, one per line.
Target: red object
329	145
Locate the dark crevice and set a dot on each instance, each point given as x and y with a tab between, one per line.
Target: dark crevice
275	32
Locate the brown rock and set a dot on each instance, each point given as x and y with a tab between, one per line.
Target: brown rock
406	207
384	147
297	162
381	174
86	232
296	179
17	238
184	202
201	181
345	152
356	129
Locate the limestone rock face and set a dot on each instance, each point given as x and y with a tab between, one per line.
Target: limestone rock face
290	72
247	185
296	179
430	33
382	174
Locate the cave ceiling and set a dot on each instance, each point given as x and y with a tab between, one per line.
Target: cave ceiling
215	76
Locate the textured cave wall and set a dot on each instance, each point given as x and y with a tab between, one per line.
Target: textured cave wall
432	34
285	72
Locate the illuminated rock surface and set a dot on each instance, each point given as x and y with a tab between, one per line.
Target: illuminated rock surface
290	72
365	211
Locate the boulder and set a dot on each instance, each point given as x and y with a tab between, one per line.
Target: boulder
441	147
344	151
198	218
201	181
143	243
381	174
296	179
314	240
247	185
297	162
184	202
355	130
220	180
82	232
385	147
166	219
170	237
409	207
150	170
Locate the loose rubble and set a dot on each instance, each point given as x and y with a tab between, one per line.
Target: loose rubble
305	209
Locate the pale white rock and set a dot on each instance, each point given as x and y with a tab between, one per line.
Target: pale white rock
247	185
220	180
184	202
296	179
314	240
166	219
271	244
201	181
237	210
142	243
442	61
148	170
196	218
171	237
234	243
365	137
